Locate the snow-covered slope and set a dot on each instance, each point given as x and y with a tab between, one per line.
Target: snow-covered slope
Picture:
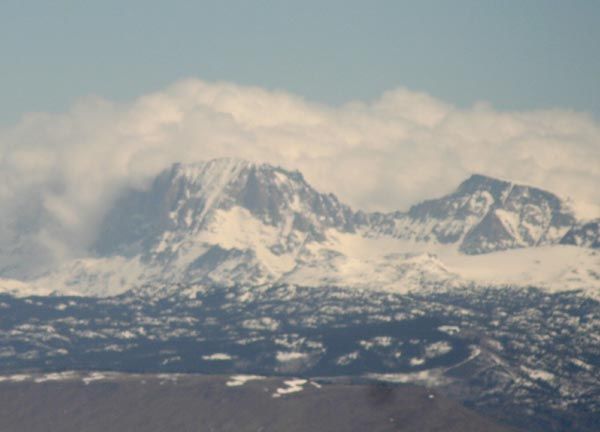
23	289
230	221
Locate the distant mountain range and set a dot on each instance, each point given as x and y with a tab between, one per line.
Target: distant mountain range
489	294
229	221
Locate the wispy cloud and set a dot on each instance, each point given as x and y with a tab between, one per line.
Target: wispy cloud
59	172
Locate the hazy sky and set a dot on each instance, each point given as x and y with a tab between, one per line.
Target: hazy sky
514	54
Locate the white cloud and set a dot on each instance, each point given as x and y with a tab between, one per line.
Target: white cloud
386	154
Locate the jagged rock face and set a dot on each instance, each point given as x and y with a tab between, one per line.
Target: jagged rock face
486	215
585	234
448	219
184	199
273	195
526	216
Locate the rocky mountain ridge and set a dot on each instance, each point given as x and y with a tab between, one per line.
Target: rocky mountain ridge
232	221
483	215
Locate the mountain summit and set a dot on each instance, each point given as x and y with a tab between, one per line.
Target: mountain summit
186	200
486	215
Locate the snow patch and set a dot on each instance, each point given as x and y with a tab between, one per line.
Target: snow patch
264	323
347	358
239	380
539	374
292	386
217	357
283	357
437	349
94	376
427	378
451	330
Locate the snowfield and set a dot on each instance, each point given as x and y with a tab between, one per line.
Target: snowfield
355	261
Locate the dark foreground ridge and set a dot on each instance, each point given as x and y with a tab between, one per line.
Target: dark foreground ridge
153	403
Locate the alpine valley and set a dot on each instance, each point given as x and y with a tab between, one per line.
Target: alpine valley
490	294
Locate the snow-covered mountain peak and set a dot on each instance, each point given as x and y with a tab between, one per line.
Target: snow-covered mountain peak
189	198
479	182
267	191
485	214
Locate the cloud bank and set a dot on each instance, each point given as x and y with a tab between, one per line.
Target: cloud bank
60	172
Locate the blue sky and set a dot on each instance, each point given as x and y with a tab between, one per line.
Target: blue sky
514	54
